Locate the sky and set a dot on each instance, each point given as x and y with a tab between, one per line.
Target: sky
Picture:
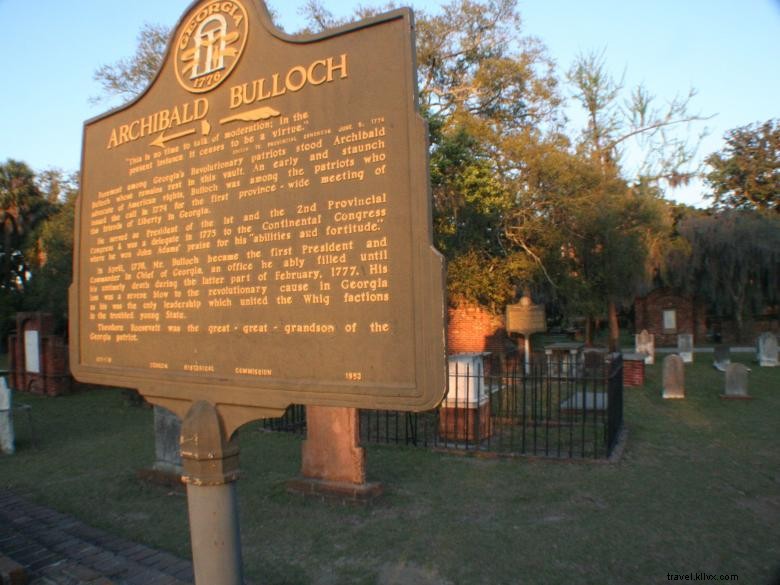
727	50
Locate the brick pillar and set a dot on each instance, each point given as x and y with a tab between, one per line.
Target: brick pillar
332	449
333	463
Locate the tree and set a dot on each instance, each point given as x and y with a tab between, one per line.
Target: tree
627	205
128	77
22	211
746	173
489	95
592	235
732	260
23	208
51	270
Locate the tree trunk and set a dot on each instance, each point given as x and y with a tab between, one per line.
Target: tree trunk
739	324
614	327
588	332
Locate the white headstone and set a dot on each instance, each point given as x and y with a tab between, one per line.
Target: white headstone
644	343
673	377
32	362
466	387
767	350
736	381
685	347
6	419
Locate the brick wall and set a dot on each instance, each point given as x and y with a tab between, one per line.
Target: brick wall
633	372
691	316
472	328
54	377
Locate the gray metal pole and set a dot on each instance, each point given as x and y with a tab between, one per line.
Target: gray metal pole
210	462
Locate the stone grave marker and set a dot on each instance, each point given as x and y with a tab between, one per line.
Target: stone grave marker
167	427
685	347
767	350
722	357
6	419
736	382
644	343
673	377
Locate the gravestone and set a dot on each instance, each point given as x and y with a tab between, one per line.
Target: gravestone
722	357
673	377
685	347
767	350
167	427
736	382
6	419
644	343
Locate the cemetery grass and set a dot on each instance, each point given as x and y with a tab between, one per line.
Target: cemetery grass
697	489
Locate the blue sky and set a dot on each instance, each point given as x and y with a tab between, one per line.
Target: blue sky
729	50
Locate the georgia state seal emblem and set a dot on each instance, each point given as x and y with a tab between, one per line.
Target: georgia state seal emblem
209	44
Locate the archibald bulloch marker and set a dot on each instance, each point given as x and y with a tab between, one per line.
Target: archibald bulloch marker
254	231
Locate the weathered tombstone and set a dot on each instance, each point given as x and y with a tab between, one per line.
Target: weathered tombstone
673	377
644	342
736	382
722	357
685	347
767	352
254	231
167	428
6	419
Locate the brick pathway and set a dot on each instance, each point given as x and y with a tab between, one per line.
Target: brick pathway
57	549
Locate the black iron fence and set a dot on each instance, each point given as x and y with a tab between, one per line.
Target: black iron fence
561	405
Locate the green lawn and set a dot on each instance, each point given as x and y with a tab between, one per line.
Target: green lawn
696	490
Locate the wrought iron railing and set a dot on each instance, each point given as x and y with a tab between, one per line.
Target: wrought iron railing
562	406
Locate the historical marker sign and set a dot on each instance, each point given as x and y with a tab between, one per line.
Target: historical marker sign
526	318
254	230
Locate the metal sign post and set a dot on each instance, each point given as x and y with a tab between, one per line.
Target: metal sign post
526	318
210	462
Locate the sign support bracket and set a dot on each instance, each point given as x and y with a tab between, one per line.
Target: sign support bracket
210	460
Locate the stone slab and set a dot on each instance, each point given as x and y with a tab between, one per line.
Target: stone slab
736	382
331	451
685	347
644	342
767	350
673	378
6	419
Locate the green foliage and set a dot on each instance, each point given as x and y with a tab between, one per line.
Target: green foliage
23	209
48	287
746	173
732	261
127	78
491	281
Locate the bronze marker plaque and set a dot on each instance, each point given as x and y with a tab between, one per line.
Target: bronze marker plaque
526	318
254	230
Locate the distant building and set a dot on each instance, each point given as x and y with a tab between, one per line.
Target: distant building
666	314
